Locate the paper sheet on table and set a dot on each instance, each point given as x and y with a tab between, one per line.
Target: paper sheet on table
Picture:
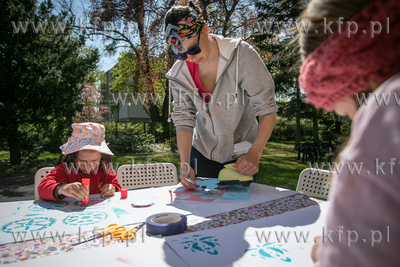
245	244
234	192
237	192
197	194
259	194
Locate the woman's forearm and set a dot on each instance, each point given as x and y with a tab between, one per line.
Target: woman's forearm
184	141
265	127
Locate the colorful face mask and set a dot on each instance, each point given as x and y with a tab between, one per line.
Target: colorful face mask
186	28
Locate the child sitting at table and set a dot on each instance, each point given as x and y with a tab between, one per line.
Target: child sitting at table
86	155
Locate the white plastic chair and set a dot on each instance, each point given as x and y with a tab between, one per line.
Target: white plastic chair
40	174
147	175
315	182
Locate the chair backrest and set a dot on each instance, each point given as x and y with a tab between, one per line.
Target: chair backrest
315	182
40	174
147	175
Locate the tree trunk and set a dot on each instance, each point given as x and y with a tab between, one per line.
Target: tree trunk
338	124
116	121
297	139
14	146
315	126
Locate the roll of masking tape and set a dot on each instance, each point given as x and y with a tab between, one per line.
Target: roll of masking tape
166	224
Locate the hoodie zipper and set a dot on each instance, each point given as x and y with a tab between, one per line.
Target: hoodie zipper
226	67
207	107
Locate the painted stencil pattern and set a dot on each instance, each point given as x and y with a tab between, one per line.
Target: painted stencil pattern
85	218
270	250
34	217
29	224
197	243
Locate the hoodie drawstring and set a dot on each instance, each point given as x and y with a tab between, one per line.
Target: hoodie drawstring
169	104
237	73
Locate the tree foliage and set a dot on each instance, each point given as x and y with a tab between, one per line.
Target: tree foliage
40	73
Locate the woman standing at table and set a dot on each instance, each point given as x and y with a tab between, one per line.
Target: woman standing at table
219	86
363	57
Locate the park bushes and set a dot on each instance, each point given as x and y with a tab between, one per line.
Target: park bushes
129	138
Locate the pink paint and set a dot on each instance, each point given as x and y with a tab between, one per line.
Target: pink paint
125	260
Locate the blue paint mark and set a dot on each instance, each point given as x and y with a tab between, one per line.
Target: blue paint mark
182	196
208	197
180	189
270	250
42	206
29	224
18	208
85	218
198	192
206	244
119	212
94	203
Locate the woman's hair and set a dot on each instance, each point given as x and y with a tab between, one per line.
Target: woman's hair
71	158
314	16
177	13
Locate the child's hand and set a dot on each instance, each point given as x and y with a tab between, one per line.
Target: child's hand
75	190
107	190
314	251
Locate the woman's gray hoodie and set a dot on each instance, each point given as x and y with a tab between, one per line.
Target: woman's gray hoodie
219	124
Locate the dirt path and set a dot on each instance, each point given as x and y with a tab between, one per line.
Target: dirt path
17	187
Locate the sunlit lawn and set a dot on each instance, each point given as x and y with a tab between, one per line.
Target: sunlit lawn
6	155
278	165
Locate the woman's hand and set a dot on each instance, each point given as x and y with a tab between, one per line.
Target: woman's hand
247	164
107	190
314	251
75	190
188	173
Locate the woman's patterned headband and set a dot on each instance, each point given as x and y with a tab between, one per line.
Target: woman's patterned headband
187	27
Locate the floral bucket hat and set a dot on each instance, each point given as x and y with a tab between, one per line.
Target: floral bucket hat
86	136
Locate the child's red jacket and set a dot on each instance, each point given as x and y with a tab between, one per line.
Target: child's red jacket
59	176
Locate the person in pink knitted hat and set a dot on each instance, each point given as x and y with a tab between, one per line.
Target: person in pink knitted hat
84	155
351	65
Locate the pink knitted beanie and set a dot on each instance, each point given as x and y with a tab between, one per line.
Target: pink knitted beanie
342	65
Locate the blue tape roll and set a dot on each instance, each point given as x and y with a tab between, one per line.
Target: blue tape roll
166	224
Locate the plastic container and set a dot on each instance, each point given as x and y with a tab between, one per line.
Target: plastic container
124	193
86	183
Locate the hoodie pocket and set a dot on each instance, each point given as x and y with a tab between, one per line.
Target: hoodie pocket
223	152
201	123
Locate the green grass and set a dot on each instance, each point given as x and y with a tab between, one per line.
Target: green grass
6	155
278	165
